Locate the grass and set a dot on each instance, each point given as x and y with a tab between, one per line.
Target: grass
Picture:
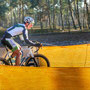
1	32
57	31
46	31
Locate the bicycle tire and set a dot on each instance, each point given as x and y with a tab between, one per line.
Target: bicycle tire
45	59
3	62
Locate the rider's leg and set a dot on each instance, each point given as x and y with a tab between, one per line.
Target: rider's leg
16	49
17	53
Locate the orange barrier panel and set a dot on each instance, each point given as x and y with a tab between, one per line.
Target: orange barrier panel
87	62
64	56
67	78
27	78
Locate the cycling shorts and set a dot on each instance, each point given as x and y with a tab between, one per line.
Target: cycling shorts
11	44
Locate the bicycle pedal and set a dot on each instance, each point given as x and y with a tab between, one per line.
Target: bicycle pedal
22	65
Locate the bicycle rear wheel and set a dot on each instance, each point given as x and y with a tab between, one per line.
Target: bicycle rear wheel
40	59
3	62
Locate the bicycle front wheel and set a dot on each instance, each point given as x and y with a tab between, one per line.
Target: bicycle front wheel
3	62
40	59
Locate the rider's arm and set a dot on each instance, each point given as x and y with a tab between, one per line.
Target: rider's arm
25	35
21	37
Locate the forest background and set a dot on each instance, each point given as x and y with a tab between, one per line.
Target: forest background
50	15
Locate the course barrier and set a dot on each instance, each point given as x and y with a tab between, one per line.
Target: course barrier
32	78
68	56
69	76
63	56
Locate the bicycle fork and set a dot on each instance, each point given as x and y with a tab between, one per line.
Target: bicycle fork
32	57
35	62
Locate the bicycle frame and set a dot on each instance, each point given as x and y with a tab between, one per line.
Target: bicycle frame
23	59
8	53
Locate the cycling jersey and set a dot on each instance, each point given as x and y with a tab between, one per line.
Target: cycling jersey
18	30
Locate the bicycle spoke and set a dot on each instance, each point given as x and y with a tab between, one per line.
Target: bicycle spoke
2	63
39	61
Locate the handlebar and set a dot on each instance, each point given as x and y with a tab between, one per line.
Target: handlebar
37	48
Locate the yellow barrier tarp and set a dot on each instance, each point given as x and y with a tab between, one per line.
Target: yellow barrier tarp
27	78
67	56
87	62
64	56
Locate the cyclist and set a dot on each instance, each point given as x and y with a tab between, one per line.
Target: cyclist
18	30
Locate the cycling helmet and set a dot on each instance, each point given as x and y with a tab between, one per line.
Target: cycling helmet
29	20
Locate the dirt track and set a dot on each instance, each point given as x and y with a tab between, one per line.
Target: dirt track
61	39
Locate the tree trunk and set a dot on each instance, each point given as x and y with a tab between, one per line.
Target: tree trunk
70	9
41	23
49	18
35	19
19	13
11	18
84	17
54	24
14	18
78	17
22	10
87	14
61	14
68	20
75	13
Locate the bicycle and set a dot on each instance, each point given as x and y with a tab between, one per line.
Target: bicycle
31	59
